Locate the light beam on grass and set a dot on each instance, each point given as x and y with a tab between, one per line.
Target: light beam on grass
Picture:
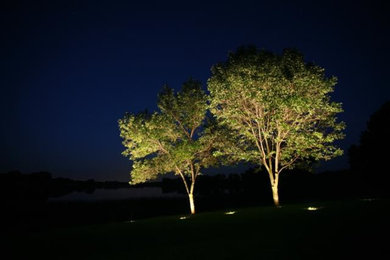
230	213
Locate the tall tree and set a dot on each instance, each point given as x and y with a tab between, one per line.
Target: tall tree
278	107
369	157
175	139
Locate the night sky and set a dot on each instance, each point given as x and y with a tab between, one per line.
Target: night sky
71	69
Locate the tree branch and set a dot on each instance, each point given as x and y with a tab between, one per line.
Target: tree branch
181	125
288	164
183	178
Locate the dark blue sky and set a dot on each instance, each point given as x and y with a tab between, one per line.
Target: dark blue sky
71	69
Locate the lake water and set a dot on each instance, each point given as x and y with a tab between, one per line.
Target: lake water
118	194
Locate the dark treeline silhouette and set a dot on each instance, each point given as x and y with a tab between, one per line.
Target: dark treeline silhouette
16	186
368	159
25	205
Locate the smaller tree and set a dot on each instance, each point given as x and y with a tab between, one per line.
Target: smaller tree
175	139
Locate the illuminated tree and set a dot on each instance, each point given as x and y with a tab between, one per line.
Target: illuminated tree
279	108
175	139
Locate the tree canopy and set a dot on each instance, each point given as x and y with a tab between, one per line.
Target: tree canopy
278	106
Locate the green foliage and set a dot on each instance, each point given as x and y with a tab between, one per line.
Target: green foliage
175	139
277	106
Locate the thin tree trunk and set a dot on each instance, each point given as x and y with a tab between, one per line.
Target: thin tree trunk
275	194
191	193
274	180
192	203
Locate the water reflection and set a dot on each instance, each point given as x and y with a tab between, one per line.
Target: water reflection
118	194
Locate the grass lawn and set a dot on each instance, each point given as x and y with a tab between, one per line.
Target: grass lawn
342	229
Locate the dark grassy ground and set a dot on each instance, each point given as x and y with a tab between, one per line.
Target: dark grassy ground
338	230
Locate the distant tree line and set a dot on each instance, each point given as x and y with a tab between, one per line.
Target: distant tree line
250	185
41	185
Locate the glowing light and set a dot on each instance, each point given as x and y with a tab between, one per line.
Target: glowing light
181	218
312	208
230	213
130	221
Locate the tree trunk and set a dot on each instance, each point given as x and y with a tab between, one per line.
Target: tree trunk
274	180
275	194
192	204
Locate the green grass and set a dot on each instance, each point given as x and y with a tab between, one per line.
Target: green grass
343	229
